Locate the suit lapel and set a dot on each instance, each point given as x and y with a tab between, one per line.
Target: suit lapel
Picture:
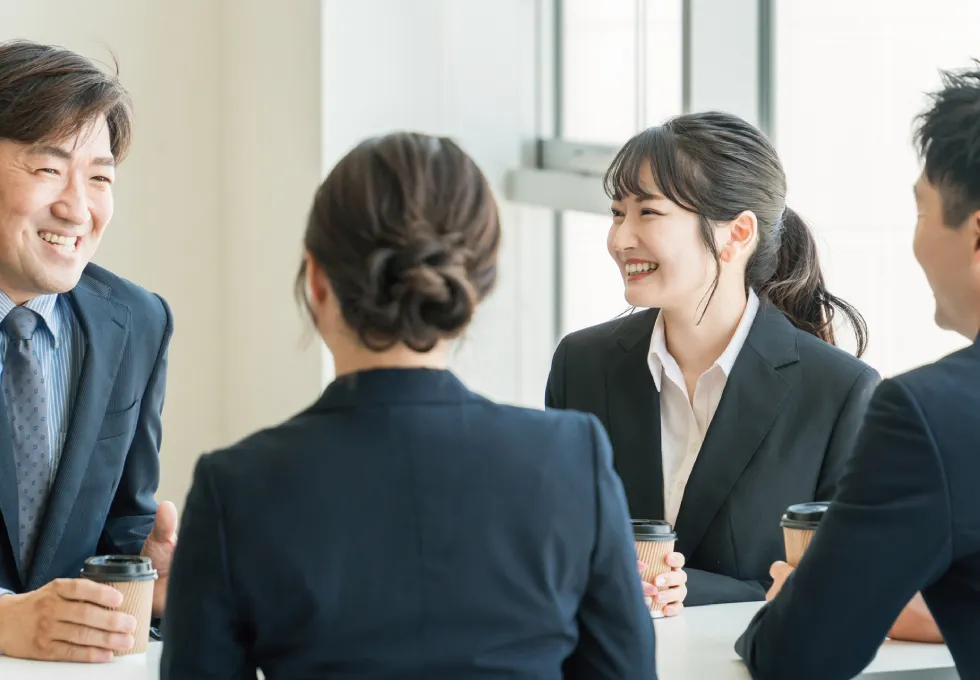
105	327
634	418
753	397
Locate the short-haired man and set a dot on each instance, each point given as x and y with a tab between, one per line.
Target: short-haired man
906	516
82	365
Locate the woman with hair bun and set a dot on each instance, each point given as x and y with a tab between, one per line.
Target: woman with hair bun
402	526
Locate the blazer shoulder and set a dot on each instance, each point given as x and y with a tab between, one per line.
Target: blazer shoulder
632	326
254	456
548	421
954	374
548	431
146	307
833	363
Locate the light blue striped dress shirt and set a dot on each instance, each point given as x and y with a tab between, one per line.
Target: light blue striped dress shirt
60	348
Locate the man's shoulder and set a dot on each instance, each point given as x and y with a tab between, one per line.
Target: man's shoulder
942	384
144	305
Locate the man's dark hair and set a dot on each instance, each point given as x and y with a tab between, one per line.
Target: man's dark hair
51	94
948	140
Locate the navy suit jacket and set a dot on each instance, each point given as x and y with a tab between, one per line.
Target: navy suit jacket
102	499
785	426
906	519
404	527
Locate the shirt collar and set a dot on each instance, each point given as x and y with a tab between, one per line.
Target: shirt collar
659	356
44	306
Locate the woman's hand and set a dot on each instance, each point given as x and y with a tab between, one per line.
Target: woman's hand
669	589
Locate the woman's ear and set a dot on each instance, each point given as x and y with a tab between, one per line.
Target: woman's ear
317	285
741	234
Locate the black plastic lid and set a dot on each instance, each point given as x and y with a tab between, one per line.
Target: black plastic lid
119	568
653	530
804	515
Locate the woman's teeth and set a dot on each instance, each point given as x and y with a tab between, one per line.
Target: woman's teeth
641	268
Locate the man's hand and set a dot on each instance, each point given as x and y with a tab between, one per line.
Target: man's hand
779	571
65	620
159	547
669	589
915	623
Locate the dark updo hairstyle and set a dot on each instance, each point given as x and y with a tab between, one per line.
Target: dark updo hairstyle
406	229
717	166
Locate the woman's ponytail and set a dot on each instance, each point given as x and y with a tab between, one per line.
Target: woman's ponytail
797	287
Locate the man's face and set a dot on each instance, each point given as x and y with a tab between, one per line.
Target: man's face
55	203
949	257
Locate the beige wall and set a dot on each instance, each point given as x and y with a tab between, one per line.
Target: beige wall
270	131
211	203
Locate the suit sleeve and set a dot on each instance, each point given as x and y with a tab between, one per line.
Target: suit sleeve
886	536
706	587
615	629
845	433
133	508
554	394
202	628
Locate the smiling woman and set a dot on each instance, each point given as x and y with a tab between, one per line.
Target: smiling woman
726	401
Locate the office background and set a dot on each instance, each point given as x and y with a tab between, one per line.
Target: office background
243	105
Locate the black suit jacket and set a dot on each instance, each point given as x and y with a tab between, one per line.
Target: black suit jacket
785	425
906	519
102	500
404	527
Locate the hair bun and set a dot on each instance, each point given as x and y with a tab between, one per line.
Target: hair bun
420	291
406	230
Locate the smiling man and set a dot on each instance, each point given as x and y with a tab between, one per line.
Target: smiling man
905	518
82	365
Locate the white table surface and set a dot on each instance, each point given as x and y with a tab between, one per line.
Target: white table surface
698	645
135	667
701	644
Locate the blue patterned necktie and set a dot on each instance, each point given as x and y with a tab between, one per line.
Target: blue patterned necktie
25	395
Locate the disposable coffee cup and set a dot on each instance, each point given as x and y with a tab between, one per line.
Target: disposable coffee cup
654	539
134	577
799	524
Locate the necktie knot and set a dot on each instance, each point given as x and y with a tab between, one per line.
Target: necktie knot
20	323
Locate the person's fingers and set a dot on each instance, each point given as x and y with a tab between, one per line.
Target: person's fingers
83	636
671	579
165	525
779	569
91	616
672	595
675	560
84	590
674	610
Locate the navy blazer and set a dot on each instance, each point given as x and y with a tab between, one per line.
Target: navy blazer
404	527
102	500
906	519
785	425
